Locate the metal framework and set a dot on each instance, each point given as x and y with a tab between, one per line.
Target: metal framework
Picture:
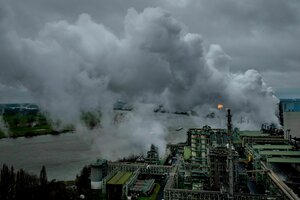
211	172
144	169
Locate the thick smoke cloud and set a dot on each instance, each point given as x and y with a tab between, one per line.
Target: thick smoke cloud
132	134
82	66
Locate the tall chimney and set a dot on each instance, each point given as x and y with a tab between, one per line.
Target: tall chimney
230	158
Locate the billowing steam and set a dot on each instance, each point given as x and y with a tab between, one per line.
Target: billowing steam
133	134
82	66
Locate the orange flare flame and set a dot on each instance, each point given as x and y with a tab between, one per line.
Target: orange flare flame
220	106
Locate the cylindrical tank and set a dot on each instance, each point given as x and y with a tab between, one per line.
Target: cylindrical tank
98	172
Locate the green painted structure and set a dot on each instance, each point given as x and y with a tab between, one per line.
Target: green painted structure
120	178
253	134
283	160
187	153
280	153
116	187
269	146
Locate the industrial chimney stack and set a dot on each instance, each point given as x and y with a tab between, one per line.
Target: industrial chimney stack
230	158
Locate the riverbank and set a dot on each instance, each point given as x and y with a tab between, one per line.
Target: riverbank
32	132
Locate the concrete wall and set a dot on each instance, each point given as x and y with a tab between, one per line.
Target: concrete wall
291	120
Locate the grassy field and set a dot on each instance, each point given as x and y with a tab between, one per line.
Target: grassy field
28	125
31	131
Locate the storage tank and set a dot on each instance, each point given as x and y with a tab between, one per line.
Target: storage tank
98	172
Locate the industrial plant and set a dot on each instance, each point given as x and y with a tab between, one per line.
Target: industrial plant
210	164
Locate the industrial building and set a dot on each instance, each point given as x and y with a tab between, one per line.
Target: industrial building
143	187
117	186
98	172
289	112
152	155
211	164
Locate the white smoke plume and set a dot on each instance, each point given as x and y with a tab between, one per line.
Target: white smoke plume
133	133
73	67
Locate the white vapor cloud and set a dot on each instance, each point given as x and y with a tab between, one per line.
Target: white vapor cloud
70	67
133	134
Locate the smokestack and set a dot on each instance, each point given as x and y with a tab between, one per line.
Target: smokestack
229	125
230	159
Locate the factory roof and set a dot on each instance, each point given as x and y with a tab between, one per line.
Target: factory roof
206	131
283	160
280	153
290	100
269	146
290	105
253	134
120	178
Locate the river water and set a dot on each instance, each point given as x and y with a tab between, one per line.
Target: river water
66	154
63	155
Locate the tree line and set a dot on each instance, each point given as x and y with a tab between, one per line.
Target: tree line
20	185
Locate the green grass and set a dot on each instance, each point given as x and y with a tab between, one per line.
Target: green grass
29	125
31	131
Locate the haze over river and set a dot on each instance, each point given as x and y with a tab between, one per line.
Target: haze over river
66	154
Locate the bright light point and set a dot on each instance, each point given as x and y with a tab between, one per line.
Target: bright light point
220	106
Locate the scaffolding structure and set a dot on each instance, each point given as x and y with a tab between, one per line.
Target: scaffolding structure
152	155
219	168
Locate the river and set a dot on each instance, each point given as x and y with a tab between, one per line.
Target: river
65	155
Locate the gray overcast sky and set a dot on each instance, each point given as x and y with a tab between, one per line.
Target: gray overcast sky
262	35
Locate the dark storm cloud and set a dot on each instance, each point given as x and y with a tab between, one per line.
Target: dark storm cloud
33	14
263	35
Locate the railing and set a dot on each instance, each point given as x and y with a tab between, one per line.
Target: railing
144	168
